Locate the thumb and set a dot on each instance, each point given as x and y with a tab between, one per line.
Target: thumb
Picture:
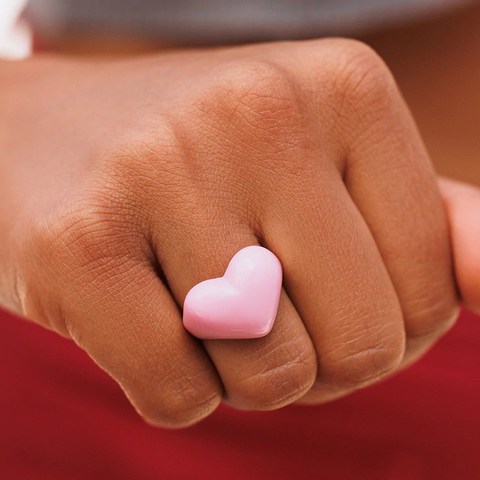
463	209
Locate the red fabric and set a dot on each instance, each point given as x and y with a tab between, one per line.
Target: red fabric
63	418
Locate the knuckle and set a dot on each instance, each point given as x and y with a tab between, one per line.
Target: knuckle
260	86
77	246
257	102
88	234
179	406
150	160
432	317
80	249
361	80
74	251
178	413
364	366
274	387
151	170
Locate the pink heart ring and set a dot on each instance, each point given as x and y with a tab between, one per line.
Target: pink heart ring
241	304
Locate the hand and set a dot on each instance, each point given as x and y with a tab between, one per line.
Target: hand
127	182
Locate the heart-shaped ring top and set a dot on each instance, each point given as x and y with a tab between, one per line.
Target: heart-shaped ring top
241	304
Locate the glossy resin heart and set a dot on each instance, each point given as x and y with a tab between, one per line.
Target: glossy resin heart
241	304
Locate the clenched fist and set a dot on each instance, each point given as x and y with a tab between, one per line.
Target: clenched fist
126	182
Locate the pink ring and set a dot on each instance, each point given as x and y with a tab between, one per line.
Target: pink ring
241	304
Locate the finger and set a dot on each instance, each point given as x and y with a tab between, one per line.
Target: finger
391	180
338	283
389	176
116	308
463	209
262	373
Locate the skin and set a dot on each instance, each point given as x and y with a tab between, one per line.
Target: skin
125	182
439	73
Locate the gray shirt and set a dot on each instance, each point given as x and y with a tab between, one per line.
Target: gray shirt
224	21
